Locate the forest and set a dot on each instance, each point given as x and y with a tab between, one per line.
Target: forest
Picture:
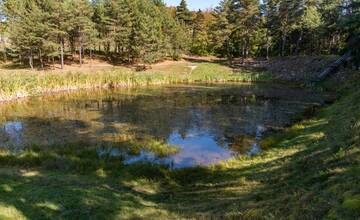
147	31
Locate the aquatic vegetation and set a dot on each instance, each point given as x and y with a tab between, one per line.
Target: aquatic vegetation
160	148
19	83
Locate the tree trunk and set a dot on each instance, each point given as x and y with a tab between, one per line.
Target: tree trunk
247	43
31	60
4	46
334	66
41	60
116	48
91	57
297	50
72	46
107	50
242	53
311	46
81	47
80	55
283	42
62	53
228	53
267	45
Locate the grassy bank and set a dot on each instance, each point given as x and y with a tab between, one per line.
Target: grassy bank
21	83
309	171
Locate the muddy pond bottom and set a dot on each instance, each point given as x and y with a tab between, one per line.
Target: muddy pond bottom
176	126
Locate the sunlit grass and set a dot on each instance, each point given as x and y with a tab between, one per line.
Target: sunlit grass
160	148
10	213
22	83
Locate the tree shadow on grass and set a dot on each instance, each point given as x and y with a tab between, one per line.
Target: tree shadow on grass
295	179
306	177
71	181
65	196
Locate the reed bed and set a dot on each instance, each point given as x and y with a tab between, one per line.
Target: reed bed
16	84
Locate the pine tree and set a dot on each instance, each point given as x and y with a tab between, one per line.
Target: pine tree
331	14
308	20
148	30
283	17
245	16
200	37
221	29
183	14
58	29
179	40
175	40
3	28
30	31
352	27
79	26
100	20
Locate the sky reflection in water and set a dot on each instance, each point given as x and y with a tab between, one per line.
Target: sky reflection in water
207	123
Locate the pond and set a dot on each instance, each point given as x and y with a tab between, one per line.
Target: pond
177	126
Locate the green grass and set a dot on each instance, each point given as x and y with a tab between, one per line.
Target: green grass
22	83
310	171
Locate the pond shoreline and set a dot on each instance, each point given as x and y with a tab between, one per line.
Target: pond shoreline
19	85
44	92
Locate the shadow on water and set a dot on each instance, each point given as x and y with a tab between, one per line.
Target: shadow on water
207	123
199	192
76	134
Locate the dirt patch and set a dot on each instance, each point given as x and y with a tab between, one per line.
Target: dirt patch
87	65
295	69
298	69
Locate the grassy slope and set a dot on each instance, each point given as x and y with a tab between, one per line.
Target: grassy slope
310	171
20	83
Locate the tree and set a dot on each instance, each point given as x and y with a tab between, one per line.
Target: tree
308	20
101	21
331	14
183	14
352	28
3	27
175	40
30	31
220	29
58	28
245	16
200	39
79	26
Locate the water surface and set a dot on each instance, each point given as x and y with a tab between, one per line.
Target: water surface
205	123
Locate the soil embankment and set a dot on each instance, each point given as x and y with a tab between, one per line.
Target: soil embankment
297	69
